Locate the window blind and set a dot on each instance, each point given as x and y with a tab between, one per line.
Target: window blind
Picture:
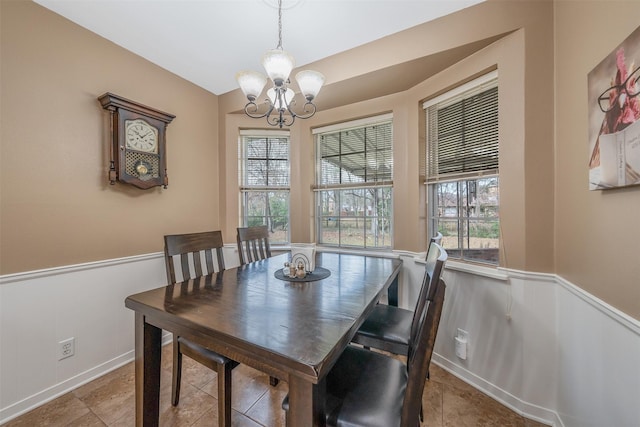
462	134
361	156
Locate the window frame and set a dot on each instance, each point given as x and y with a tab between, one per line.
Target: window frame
381	190
463	176
246	188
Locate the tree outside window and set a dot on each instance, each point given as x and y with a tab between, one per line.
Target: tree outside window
264	190
462	170
354	186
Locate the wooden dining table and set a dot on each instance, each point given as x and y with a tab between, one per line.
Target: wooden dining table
294	331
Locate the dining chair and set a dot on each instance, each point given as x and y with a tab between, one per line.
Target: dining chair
370	389
390	328
437	238
188	250
253	244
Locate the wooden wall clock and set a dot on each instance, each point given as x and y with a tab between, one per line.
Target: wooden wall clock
138	142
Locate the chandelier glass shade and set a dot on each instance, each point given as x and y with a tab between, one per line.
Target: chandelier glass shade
278	65
277	107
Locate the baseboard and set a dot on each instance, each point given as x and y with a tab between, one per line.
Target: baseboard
544	415
64	387
527	410
620	321
44	396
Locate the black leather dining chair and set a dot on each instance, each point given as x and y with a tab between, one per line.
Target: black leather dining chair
188	248
370	389
390	328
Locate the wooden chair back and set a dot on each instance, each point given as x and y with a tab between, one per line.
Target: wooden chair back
436	259
190	248
197	252
437	238
434	264
419	357
253	244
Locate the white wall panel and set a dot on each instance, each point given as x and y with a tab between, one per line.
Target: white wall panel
599	362
39	309
537	343
540	348
480	305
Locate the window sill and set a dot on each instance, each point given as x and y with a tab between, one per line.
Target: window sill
475	269
497	273
385	253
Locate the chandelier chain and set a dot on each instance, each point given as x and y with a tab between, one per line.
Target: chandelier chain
280	24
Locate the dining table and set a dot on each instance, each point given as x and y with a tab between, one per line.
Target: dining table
292	329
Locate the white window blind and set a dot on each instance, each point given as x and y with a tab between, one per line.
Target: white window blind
361	156
462	131
462	159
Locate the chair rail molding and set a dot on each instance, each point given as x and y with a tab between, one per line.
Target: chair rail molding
542	346
49	272
51	305
538	343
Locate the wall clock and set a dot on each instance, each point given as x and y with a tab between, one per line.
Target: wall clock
138	142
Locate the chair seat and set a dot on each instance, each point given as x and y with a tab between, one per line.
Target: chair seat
198	255
387	328
370	389
364	388
390	328
198	349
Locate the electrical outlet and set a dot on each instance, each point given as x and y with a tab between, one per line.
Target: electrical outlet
461	341
463	335
66	348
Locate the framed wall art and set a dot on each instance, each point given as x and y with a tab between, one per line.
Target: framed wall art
614	117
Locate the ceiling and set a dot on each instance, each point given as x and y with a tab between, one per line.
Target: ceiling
208	41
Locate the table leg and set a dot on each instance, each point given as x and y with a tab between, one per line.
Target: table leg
392	293
306	403
147	365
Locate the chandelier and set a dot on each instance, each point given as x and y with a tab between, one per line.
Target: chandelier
277	107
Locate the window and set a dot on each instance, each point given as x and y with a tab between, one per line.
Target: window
354	183
264	182
462	169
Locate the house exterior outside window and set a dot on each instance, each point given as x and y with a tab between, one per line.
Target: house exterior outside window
462	170
354	183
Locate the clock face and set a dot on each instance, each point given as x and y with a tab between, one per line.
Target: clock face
141	136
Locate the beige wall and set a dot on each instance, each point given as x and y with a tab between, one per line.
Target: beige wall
58	209
524	59
549	219
57	206
597	232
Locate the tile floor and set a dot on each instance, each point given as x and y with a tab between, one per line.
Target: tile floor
109	401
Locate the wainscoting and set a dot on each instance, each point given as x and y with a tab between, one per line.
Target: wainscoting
537	343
